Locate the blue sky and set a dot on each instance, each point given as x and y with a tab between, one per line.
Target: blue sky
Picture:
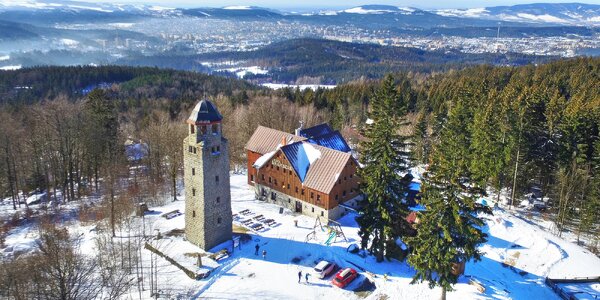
321	4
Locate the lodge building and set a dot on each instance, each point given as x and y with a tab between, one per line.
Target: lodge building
310	172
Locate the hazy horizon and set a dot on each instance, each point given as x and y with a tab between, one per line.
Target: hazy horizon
319	5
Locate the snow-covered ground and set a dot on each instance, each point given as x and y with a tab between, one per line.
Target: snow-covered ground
518	257
277	86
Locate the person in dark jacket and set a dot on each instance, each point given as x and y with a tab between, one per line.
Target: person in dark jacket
256	249
299	276
264	254
306	276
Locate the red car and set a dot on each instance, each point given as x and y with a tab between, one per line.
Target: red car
344	277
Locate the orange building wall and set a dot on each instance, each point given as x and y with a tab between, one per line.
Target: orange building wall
347	181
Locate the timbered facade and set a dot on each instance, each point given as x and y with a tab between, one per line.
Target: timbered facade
310	172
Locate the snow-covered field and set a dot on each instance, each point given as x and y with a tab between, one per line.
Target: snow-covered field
528	252
277	86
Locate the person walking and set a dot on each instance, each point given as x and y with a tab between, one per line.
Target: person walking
256	249
306	276
264	254
299	276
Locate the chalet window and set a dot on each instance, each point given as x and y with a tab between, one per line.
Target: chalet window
217	179
344	194
312	195
345	178
218	199
271	166
290	172
275	181
296	190
192	129
339	181
351	175
277	168
193	171
219	220
252	178
318	198
302	192
262	176
193	192
336	197
288	186
270	179
193	213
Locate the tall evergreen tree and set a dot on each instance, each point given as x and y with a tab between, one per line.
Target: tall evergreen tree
449	230
385	158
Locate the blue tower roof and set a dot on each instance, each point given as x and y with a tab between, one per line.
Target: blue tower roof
205	112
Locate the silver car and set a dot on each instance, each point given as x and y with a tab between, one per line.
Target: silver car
324	268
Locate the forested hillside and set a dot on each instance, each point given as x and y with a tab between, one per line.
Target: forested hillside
330	62
523	126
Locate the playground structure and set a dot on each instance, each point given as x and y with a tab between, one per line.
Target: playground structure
334	231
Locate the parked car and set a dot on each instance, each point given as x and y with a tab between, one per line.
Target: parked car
324	268
344	277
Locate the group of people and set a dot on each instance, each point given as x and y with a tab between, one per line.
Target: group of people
264	255
306	275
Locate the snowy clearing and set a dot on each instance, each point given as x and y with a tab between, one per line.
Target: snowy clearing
518	257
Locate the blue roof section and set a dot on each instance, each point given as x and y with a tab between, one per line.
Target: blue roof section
333	140
298	159
316	131
414	186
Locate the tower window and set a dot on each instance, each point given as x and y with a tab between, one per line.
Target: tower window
203	129
218	199
190	148
322	213
194	148
192	129
252	178
193	213
215	129
218	148
313	209
219	220
193	192
193	171
217	178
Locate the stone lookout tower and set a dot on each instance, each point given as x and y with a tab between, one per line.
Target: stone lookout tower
206	178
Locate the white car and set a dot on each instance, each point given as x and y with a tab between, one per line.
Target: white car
324	268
